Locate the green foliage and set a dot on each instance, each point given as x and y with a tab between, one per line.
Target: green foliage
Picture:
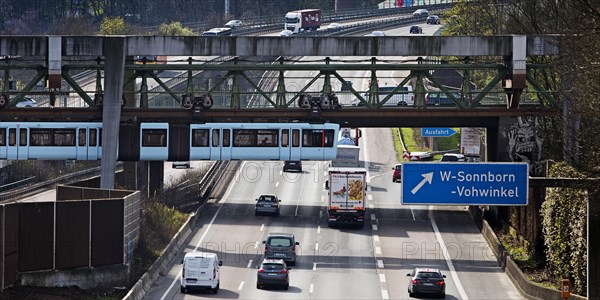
564	215
113	26
174	28
472	18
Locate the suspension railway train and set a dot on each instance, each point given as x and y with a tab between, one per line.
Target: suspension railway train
170	142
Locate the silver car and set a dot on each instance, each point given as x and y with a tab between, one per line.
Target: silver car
273	272
267	204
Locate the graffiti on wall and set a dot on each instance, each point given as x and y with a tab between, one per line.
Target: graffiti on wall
524	140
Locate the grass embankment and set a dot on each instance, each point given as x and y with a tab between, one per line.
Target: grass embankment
415	143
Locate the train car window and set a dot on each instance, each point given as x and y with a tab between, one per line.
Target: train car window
295	137
92	140
64	137
268	138
317	138
200	138
40	137
226	137
12	137
285	137
23	137
215	138
154	138
82	137
2	136
244	138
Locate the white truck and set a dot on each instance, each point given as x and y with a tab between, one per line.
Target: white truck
303	20
346	185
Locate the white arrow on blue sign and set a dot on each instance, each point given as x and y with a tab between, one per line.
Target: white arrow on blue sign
437	132
465	183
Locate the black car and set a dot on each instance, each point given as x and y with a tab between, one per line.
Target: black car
292	165
416	29
273	272
433	19
426	281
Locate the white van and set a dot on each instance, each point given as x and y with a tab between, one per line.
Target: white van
200	271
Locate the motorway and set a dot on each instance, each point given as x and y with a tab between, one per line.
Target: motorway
368	263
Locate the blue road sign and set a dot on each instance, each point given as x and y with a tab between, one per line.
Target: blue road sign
465	183
437	132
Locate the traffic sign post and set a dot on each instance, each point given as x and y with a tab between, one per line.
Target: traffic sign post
465	183
437	132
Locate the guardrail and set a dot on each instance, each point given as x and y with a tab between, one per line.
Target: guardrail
18	194
17	184
187	193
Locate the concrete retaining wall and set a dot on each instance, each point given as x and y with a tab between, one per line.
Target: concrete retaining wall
528	289
84	278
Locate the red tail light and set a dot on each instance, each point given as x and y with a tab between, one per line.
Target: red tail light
294	249
441	282
414	281
266	248
261	270
284	271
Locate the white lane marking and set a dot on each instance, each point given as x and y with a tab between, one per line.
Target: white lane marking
370	197
325	173
316	247
373	217
380	265
378	250
323	198
202	237
262	227
298	201
376	238
256	244
277	184
438	236
280	172
241	286
382	278
384	295
412	212
310	289
249	264
371	206
314	266
367	161
320	214
375	228
319	228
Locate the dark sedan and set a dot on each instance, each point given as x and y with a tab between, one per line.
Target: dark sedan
267	204
426	281
416	29
273	272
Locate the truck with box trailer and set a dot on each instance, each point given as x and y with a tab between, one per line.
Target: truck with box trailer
303	20
346	185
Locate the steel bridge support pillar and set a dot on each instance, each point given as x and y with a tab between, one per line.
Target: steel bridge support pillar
114	54
280	100
514	85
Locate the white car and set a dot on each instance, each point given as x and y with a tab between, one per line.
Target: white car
234	24
27	102
285	33
333	26
378	33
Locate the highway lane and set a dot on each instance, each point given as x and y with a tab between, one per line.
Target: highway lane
331	260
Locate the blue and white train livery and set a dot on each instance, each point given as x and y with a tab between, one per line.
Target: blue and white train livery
170	142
